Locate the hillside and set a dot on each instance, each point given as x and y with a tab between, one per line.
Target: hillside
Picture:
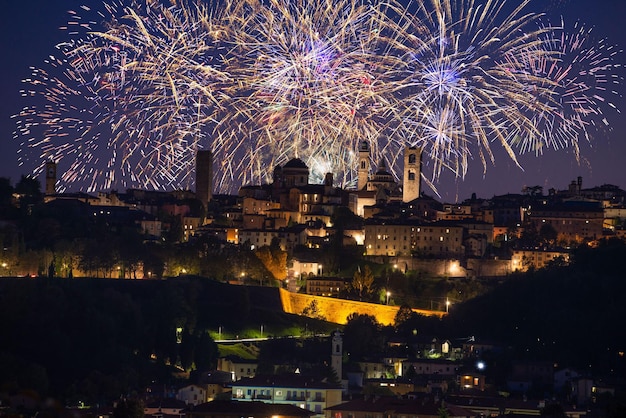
97	338
572	314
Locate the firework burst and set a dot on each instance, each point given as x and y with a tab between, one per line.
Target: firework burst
125	106
581	75
138	88
460	96
316	77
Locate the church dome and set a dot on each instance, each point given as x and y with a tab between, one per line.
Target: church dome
295	163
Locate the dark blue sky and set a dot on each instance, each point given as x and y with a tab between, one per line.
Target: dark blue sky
29	31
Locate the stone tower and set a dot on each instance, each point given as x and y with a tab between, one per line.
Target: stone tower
204	177
336	357
412	173
364	165
51	177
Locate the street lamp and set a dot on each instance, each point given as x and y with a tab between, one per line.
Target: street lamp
388	294
447	305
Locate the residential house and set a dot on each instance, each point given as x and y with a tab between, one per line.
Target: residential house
394	407
192	394
168	407
522	260
235	409
294	389
325	286
395	238
237	367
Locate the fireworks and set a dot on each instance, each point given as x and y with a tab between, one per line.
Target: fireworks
125	105
138	89
461	94
582	75
316	77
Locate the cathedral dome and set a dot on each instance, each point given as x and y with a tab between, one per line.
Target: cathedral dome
295	163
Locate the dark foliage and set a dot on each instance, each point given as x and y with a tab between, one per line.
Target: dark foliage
569	314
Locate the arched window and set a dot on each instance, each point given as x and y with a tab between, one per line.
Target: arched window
412	158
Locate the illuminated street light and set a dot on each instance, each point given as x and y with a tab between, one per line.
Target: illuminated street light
447	305
388	294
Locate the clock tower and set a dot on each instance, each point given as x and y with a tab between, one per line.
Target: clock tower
51	177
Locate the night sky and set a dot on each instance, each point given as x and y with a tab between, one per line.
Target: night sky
29	31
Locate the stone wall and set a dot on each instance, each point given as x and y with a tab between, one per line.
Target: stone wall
338	310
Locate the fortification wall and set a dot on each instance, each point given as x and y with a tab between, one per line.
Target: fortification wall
338	310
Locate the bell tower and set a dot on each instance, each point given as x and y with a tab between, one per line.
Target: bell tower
336	357
204	177
364	165
51	177
412	174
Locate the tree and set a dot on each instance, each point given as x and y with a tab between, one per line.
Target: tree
206	352
29	190
548	235
443	412
274	260
362	337
313	311
404	314
128	408
362	282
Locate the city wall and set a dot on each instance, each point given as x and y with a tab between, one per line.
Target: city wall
338	310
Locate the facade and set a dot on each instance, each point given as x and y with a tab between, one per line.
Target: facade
430	367
394	407
573	221
303	268
234	409
192	394
438	239
294	389
167	407
237	367
325	286
522	260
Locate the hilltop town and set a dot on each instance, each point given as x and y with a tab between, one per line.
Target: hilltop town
384	263
383	219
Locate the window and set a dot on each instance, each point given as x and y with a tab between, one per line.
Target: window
411	176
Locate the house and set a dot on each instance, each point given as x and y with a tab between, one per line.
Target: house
235	409
237	366
430	367
393	407
217	384
528	374
293	389
325	286
573	221
405	237
471	380
489	406
522	260
192	394
167	407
